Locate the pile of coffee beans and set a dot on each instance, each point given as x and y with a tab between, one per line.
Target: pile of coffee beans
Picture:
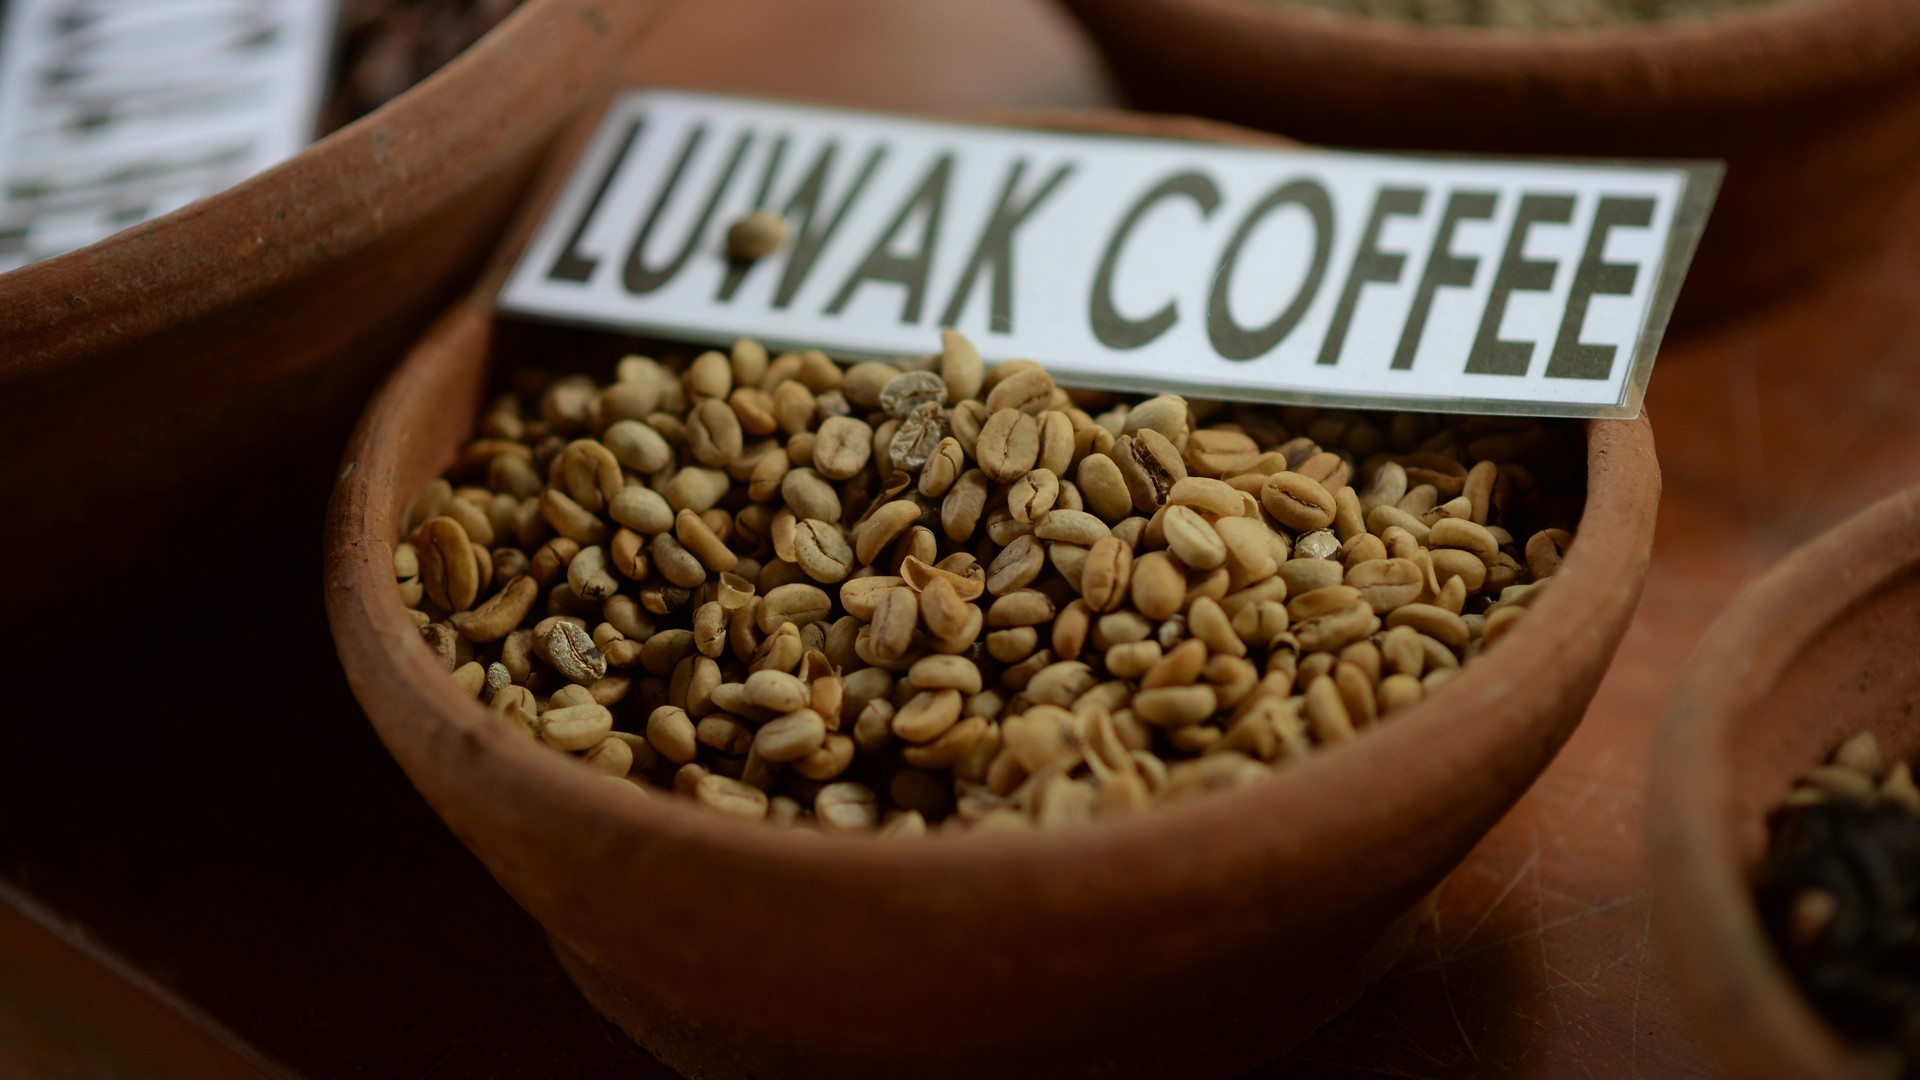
1840	895
896	596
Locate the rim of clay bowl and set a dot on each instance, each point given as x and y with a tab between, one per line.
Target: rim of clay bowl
1460	736
1732	982
1776	50
334	197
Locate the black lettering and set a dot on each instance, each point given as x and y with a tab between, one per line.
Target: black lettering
995	250
640	278
572	265
881	264
1491	355
1572	358
1111	328
1235	342
1370	264
1444	268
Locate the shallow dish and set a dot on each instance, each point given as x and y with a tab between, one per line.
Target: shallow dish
1813	104
149	376
1827	644
1198	940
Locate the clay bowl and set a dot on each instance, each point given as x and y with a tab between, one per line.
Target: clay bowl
1196	941
1813	104
1825	645
161	375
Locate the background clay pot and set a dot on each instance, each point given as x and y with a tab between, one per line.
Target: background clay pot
201	367
1827	644
1815	105
1197	940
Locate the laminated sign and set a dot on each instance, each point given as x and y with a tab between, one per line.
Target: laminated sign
116	111
1248	273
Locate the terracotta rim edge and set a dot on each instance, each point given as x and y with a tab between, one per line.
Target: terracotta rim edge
1725	57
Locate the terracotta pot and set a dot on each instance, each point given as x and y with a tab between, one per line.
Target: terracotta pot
1815	105
165	376
1195	941
1827	644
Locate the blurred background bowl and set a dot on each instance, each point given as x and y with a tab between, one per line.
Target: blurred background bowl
1826	645
200	369
1813	104
1197	940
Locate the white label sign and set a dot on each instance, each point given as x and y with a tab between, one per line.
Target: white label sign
113	112
1248	273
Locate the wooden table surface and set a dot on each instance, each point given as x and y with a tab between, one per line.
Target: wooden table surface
214	836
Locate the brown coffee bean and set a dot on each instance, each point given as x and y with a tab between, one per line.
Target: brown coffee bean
709	376
960	368
943	467
793	604
675	562
1108	574
1545	551
1208	495
1021	607
1299	502
1326	712
894	620
1104	488
449	571
885	526
1027	390
1453	563
961	510
927	715
1008	446
1398	692
1165	414
1175	706
1150	466
406	573
822	551
1436	623
847	807
591	473
699	540
842	448
946	673
790	737
570	519
906	392
1381	519
810	496
1071	527
1210	624
835	753
1192	540
1013	645
944	752
1017	565
865	381
1033	495
1158	586
575	727
497	617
